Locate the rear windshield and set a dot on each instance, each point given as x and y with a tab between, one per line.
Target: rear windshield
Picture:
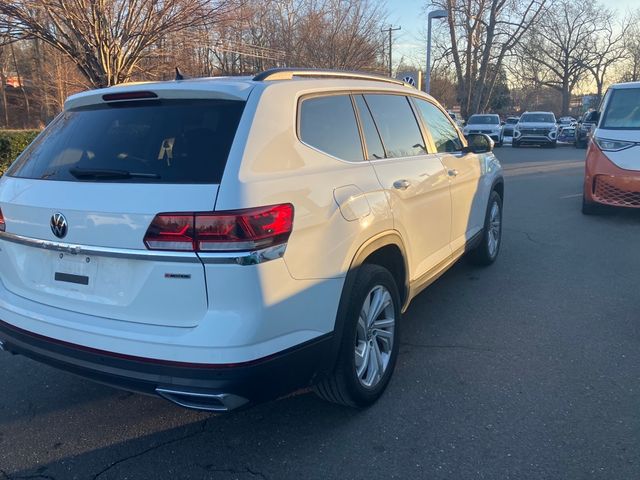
151	141
623	110
512	121
538	118
484	119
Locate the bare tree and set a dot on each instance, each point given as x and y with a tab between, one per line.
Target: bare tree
560	46
481	34
106	39
606	48
631	71
342	34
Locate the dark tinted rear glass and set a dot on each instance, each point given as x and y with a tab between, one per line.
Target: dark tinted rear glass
156	141
329	124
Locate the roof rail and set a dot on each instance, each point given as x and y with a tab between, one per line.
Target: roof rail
289	73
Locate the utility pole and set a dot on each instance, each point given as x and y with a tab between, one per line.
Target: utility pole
390	31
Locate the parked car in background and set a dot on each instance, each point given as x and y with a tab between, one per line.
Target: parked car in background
566	121
567	133
536	128
507	129
488	124
157	236
456	118
612	167
583	128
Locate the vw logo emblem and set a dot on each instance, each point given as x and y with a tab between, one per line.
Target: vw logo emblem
409	79
59	225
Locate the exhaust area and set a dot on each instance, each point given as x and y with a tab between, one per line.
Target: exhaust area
209	402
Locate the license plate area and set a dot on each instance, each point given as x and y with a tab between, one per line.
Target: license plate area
70	278
74	271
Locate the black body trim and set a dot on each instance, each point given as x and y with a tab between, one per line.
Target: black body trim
259	380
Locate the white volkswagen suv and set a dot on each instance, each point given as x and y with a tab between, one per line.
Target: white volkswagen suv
224	241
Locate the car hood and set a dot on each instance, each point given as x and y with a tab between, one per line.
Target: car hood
483	126
536	125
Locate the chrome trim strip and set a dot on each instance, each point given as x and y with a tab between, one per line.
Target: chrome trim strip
185	257
202	401
244	258
237	258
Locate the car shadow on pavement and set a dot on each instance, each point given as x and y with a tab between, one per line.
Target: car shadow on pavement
235	445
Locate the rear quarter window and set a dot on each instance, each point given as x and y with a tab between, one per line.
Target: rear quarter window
156	141
328	123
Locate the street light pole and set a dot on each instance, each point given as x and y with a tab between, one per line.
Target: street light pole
427	74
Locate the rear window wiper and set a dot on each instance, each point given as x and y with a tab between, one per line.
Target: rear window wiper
108	174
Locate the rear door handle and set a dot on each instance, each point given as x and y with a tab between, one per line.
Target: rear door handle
401	184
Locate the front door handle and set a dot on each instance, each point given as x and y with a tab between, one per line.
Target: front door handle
401	184
452	173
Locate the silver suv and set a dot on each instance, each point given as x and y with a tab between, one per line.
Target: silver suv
536	128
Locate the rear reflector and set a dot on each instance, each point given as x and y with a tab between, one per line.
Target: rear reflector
110	97
2	224
237	230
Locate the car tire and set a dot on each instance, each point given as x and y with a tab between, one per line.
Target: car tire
358	385
487	250
590	208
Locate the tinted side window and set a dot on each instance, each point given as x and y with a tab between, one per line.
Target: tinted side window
397	125
375	150
329	124
444	134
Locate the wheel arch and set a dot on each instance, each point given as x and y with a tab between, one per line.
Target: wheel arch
385	249
498	186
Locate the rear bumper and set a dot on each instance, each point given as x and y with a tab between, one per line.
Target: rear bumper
607	184
255	381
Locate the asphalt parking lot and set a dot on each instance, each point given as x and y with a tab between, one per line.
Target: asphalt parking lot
527	369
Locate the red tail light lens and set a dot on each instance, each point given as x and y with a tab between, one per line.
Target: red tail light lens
237	230
2	224
170	232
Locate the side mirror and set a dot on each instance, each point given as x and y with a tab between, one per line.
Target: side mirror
479	143
503	123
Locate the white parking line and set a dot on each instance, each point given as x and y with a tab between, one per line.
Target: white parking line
573	195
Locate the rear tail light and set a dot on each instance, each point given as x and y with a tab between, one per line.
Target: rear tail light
237	230
2	224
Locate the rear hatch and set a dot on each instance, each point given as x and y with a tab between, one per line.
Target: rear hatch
78	202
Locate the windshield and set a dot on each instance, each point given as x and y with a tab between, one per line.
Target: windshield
484	120
512	120
538	118
623	109
150	141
